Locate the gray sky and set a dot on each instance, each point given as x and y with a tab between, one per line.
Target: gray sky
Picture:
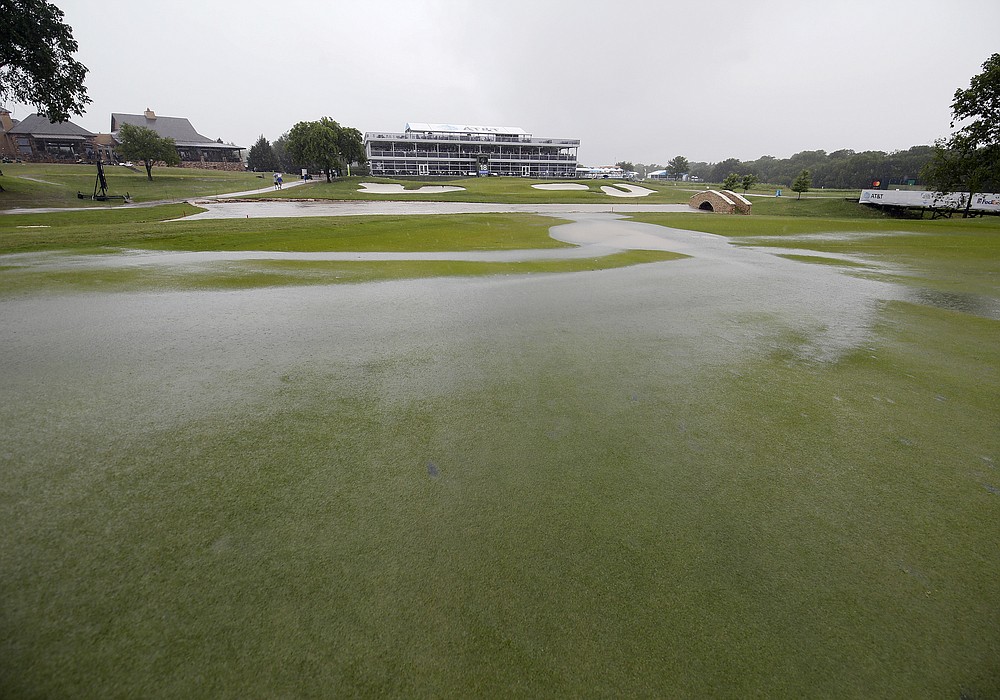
638	80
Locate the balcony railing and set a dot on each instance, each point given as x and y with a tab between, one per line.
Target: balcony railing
496	138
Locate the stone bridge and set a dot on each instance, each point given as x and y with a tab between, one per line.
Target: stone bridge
725	202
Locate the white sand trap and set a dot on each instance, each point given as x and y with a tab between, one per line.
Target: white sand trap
373	188
629	191
562	186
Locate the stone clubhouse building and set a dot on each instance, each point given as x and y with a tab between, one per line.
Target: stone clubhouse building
37	140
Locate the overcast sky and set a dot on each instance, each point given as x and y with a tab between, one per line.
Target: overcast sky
637	80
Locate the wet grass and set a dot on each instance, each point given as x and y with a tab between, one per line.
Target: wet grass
235	275
144	230
505	190
31	185
821	260
151	229
960	255
583	513
580	520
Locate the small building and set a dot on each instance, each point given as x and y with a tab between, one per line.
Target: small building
455	150
195	150
599	172
721	201
36	139
666	175
6	143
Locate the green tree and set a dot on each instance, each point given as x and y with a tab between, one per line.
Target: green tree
325	145
719	170
678	166
36	62
970	159
314	145
802	183
980	104
731	181
351	144
261	157
748	181
284	159
142	144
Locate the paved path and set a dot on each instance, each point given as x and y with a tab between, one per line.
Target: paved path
272	209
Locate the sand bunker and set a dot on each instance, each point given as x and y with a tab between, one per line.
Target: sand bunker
374	188
562	186
626	190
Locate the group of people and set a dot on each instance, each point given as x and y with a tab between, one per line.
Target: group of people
277	181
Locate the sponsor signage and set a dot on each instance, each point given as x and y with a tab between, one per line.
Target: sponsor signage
986	201
465	129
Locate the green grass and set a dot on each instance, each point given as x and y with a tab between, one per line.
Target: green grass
580	520
60	183
505	190
142	229
957	255
586	513
152	229
235	275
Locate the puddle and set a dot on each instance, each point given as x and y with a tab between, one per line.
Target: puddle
974	304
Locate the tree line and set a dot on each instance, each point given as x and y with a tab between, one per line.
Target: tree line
843	169
322	145
967	161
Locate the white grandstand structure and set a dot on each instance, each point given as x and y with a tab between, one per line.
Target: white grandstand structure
462	150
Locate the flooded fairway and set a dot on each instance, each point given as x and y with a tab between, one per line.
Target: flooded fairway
672	478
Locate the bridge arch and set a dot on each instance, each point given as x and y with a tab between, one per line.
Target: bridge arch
722	201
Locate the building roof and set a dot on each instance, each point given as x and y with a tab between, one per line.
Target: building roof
37	125
177	128
466	129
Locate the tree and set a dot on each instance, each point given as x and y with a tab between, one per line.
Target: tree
351	144
748	181
731	181
981	104
678	166
142	144
719	170
261	157
314	145
802	183
326	145
281	154
626	166
970	158
36	62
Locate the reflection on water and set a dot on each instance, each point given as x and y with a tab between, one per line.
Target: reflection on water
975	304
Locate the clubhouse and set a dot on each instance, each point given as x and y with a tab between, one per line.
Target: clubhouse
35	139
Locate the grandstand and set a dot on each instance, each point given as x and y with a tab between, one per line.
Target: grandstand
461	150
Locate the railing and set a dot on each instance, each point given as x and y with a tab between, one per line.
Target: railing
372	136
468	156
